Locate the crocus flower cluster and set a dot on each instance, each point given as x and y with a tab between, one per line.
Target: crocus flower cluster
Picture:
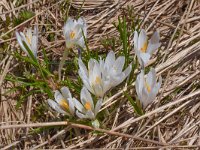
146	87
98	76
98	79
64	103
74	32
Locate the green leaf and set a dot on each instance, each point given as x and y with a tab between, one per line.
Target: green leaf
137	107
23	16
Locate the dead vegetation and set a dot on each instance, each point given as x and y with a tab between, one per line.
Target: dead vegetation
172	121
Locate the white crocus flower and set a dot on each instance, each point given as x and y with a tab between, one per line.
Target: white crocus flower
64	102
86	108
31	40
103	75
147	88
73	32
144	48
112	68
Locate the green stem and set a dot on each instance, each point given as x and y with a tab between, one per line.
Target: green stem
40	69
62	62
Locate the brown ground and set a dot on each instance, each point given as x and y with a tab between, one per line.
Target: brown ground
173	120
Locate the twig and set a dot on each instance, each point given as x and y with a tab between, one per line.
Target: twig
29	19
65	123
132	120
19	7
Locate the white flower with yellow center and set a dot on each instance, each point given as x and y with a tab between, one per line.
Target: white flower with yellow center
112	68
144	48
147	88
31	40
86	108
73	32
103	75
64	102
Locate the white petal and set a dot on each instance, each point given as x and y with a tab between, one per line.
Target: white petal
55	106
119	64
34	46
58	96
29	33
88	86
101	64
85	30
152	48
137	86
107	84
78	105
98	90
71	105
121	77
83	75
81	42
96	74
145	98
98	106
155	89
82	67
155	37
110	59
66	34
127	71
117	79
68	25
145	57
19	39
142	39
151	78
80	115
153	93
91	64
81	20
34	42
65	92
78	32
140	83
86	97
25	40
154	43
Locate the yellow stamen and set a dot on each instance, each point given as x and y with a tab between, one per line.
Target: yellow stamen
144	47
29	39
87	106
72	35
97	80
64	104
148	87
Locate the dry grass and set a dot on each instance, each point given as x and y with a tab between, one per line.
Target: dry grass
171	122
